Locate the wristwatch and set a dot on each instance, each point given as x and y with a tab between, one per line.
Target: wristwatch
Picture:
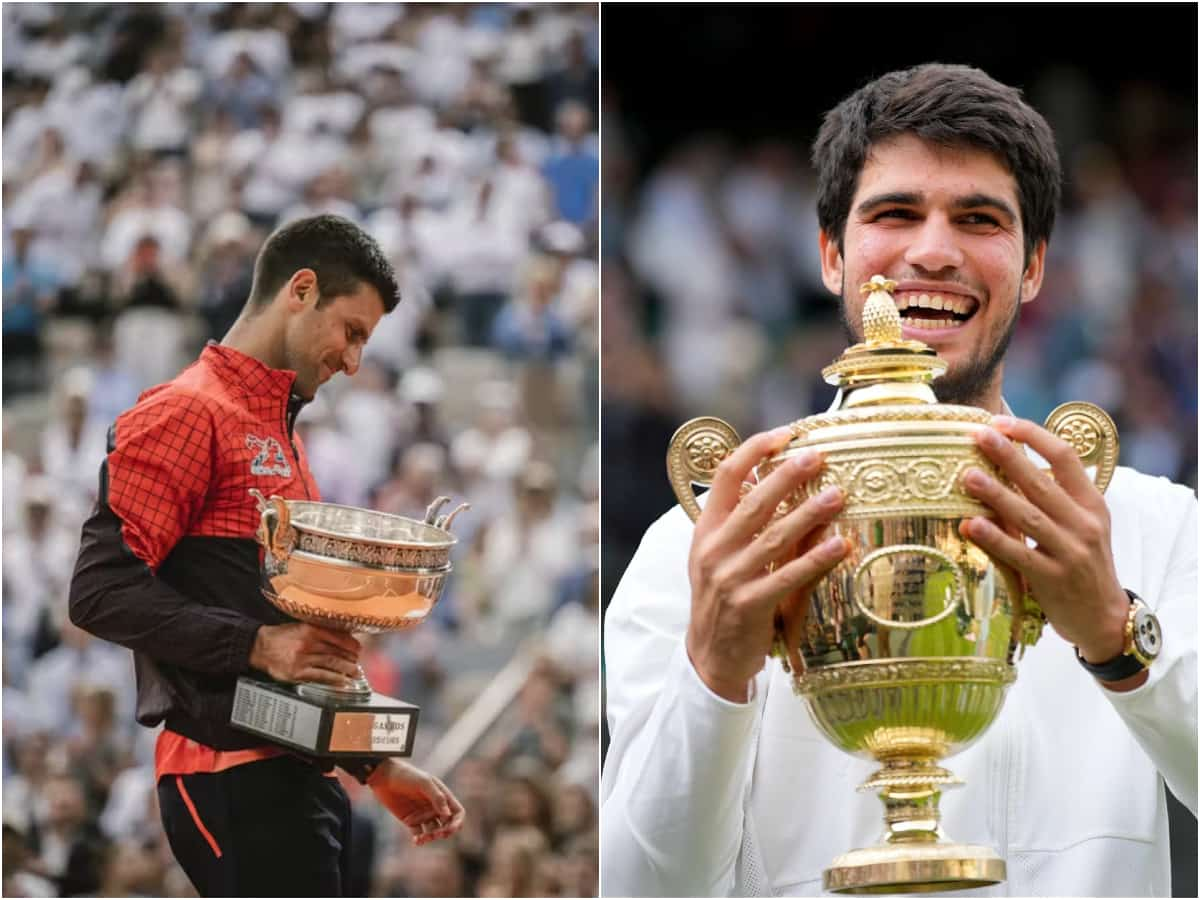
1143	643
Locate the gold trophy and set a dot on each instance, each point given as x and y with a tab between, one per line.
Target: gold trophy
352	570
908	646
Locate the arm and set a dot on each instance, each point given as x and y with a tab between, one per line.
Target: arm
677	769
152	484
1161	713
686	634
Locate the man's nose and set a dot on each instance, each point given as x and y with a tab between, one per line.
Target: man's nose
351	358
935	245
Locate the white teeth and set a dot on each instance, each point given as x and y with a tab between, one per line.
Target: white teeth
929	323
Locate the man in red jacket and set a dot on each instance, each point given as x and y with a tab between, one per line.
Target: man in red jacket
169	567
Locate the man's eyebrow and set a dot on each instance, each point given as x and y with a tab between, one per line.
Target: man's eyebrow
973	201
915	198
899	198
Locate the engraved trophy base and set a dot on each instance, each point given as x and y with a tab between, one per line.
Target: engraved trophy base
325	722
919	868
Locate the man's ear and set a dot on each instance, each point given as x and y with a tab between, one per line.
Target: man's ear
832	268
302	289
1035	271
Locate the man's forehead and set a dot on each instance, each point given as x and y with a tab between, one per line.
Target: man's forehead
899	156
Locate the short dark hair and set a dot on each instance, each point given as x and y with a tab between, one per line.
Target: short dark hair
342	254
949	105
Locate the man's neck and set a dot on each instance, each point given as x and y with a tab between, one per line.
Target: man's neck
255	338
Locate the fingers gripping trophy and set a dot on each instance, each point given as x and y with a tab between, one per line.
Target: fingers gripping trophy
348	570
904	652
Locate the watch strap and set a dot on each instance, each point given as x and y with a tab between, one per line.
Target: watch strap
1119	667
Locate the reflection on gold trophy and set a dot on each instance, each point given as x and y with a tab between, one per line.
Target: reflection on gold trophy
906	649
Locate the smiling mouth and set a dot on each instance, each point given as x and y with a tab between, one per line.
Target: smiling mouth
934	311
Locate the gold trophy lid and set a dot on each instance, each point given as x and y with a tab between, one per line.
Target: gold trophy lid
884	368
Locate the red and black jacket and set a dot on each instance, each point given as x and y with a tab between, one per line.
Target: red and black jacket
168	565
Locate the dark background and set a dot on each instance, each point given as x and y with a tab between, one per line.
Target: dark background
729	79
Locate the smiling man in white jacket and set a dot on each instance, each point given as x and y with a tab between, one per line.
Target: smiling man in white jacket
716	781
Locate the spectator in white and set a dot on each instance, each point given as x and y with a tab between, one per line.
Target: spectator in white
366	409
114	381
529	327
38	558
490	453
79	659
522	67
149	330
521	195
419	477
92	116
74	445
15	472
22	877
65	204
420	393
483	264
26	119
70	845
280	163
327	193
161	101
226	270
573	167
59	48
241	92
442	68
525	554
328	448
147	209
678	248
25	779
268	47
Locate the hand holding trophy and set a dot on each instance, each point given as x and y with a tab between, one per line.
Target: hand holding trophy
901	635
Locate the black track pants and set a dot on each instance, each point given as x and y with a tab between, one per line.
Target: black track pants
272	828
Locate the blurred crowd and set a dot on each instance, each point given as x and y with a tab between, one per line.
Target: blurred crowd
712	301
148	151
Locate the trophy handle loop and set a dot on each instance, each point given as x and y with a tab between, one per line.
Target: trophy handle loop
693	455
1093	434
958	595
275	525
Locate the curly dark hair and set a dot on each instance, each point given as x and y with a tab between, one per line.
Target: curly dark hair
949	105
341	253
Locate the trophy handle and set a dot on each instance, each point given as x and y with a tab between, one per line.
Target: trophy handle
693	455
275	525
958	595
1093	434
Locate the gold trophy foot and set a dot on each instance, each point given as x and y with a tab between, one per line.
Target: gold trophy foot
913	869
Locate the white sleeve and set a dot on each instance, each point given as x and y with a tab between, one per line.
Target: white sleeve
678	766
1162	712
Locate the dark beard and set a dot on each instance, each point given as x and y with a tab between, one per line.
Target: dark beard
967	386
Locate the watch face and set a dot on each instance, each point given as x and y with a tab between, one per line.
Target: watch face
1147	634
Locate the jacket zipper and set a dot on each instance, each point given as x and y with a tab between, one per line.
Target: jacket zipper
291	411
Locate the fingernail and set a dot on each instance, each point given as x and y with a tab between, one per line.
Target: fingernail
991	438
831	496
976	479
805	460
834	546
1003	421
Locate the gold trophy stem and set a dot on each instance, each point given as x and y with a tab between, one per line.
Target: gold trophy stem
913	855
